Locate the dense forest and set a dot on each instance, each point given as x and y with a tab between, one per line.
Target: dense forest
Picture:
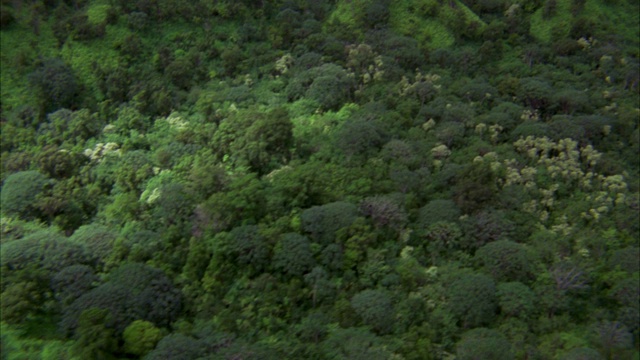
320	179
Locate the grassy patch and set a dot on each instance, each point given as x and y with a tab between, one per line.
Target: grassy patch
423	20
620	18
557	25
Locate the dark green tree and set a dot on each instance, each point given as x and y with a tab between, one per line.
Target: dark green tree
475	187
483	344
354	344
322	222
133	292
376	309
293	255
320	285
613	338
97	239
313	328
472	299
582	353
255	139
436	211
55	85
440	238
248	247
516	299
94	338
20	191
71	282
177	347
506	260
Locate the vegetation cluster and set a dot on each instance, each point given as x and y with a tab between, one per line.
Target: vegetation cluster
292	179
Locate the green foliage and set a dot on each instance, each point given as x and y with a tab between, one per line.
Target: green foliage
248	247
475	187
20	300
293	255
436	211
69	127
46	249
516	299
582	353
98	240
329	85
483	343
140	337
322	222
296	172
384	212
20	191
506	260
472	299
254	139
413	18
133	292
375	308
354	343
71	282
94	339
55	84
